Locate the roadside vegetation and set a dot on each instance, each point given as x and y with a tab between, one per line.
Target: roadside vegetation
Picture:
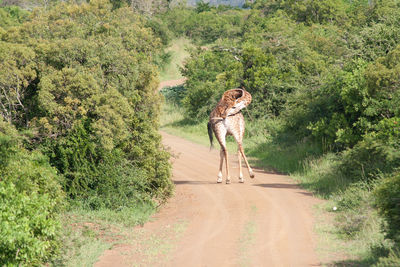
78	127
324	76
176	53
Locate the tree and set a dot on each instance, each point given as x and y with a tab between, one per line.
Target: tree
88	85
201	6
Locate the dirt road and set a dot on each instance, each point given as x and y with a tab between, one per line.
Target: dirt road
267	221
171	83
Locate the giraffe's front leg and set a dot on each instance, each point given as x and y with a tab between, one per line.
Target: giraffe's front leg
245	161
241	179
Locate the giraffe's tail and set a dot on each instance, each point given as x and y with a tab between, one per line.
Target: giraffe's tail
210	134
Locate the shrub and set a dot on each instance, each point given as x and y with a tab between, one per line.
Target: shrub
87	94
30	200
392	259
387	200
98	178
12	15
377	153
174	94
209	75
28	226
322	11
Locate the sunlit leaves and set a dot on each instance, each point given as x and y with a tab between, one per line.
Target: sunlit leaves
88	84
17	71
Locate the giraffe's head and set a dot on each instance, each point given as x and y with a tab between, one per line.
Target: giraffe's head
233	101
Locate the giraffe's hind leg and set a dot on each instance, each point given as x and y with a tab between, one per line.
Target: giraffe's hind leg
221	163
220	133
238	135
228	177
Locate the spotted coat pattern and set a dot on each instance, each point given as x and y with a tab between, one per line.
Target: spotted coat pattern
227	119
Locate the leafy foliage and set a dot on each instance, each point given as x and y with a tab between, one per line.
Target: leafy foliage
17	71
387	200
30	200
89	98
207	80
12	16
174	95
204	24
83	92
326	72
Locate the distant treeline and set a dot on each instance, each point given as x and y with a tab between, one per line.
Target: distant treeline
238	3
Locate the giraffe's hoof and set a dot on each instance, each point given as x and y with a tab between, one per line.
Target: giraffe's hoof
241	180
228	181
252	175
219	180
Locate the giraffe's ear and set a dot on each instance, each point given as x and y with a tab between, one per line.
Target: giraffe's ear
238	94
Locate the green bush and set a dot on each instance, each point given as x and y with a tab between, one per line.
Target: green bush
98	178
264	79
174	94
387	200
86	90
209	75
205	24
12	15
30	201
377	153
309	11
119	184
28	226
392	259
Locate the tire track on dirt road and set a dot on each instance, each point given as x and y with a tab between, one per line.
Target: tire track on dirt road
216	216
284	222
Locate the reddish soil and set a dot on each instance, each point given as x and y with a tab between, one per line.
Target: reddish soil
267	221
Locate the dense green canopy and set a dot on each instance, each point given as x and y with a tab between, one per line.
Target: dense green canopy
79	82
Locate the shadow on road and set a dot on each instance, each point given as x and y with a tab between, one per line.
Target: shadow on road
286	186
290	186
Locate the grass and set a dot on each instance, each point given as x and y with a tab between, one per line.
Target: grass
87	236
179	53
173	122
349	236
88	233
82	240
128	217
155	247
284	159
247	238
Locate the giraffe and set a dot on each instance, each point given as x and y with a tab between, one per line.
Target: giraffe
227	119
